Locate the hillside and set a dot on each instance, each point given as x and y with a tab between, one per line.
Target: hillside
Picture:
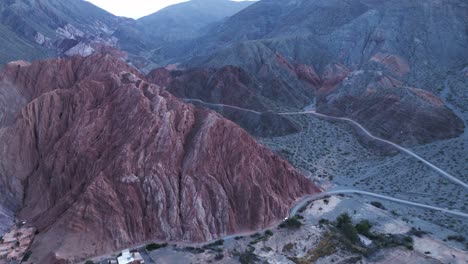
93	143
34	29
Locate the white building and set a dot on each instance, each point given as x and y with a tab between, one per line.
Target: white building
364	240
130	258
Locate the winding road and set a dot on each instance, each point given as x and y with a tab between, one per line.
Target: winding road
363	129
310	198
294	210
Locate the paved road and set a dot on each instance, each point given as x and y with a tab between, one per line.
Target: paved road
369	134
307	199
405	150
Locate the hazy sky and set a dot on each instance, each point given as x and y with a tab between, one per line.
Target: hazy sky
134	8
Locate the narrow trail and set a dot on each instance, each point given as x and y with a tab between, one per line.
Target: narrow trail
369	134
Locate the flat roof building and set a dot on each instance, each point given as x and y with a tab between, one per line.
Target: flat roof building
130	258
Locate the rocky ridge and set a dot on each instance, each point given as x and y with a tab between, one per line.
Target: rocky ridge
93	143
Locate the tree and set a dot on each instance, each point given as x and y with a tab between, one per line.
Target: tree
364	227
343	219
345	224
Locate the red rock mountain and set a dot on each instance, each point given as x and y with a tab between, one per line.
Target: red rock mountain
230	86
99	159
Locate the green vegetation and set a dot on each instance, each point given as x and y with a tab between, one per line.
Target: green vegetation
378	205
259	237
343	219
255	235
89	262
292	223
363	228
195	250
323	221
288	247
457	238
345	225
417	232
154	246
215	246
217	243
248	257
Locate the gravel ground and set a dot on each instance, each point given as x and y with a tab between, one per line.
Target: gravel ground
335	154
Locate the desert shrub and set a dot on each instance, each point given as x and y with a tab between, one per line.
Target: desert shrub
323	221
345	225
343	219
154	246
269	233
248	257
89	262
364	227
350	232
291	223
218	243
378	205
457	238
417	232
288	247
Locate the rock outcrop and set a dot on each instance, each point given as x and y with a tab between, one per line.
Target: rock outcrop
99	159
230	86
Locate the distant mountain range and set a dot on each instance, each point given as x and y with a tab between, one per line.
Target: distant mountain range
34	29
352	56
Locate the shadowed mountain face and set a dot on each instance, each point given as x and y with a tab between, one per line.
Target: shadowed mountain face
87	142
412	43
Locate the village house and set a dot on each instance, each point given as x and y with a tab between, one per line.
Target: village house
130	258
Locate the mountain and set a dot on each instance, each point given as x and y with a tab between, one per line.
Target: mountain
34	29
98	159
414	43
187	19
229	86
174	24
